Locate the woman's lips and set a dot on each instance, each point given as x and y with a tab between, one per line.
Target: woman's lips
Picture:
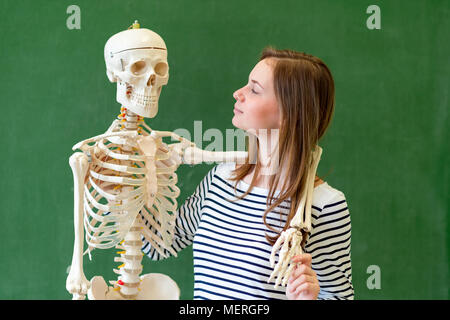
236	110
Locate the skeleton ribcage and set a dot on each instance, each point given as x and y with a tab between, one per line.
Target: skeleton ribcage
116	191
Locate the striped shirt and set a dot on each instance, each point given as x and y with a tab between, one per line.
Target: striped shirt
231	253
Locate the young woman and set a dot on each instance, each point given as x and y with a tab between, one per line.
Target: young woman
238	211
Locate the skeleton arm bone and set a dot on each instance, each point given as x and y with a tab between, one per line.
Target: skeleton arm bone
76	282
174	136
190	154
291	239
306	201
194	155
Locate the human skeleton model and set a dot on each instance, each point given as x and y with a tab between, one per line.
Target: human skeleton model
125	181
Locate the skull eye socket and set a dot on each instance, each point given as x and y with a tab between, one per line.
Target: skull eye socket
138	67
161	69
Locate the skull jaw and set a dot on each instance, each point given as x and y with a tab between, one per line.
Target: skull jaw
146	109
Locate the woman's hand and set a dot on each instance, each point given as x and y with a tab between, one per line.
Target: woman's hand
302	283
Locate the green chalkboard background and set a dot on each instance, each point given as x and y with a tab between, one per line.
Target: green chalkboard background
387	148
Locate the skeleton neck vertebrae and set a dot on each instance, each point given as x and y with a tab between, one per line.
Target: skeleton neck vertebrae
130	120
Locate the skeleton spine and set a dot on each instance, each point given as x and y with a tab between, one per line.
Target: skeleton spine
129	120
131	256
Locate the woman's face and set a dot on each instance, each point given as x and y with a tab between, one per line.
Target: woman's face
256	106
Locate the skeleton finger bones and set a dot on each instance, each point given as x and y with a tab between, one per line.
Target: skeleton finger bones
290	240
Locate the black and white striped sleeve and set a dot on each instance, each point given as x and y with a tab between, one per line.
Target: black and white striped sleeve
187	221
329	245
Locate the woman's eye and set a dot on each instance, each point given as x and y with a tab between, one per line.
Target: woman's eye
254	91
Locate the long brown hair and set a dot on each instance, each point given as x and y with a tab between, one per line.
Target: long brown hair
304	88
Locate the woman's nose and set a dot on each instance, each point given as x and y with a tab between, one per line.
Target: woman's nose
238	95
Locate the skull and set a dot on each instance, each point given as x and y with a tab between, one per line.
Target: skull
137	60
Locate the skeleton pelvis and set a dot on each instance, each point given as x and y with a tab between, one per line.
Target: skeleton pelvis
158	286
153	286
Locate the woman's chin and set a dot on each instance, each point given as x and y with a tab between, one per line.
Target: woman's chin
235	122
239	123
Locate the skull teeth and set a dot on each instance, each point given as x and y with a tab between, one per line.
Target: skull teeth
141	99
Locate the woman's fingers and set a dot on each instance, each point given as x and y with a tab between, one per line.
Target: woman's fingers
304	278
301	269
303	258
303	282
306	287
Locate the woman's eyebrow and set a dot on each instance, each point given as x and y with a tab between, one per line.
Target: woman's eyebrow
257	83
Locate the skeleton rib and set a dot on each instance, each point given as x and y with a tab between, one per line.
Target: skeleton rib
118	180
129	206
111	217
156	243
165	191
95	239
99	218
117	167
166	170
166	222
111	241
164	203
120	196
90	226
172	180
150	219
119	156
118	140
162	155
